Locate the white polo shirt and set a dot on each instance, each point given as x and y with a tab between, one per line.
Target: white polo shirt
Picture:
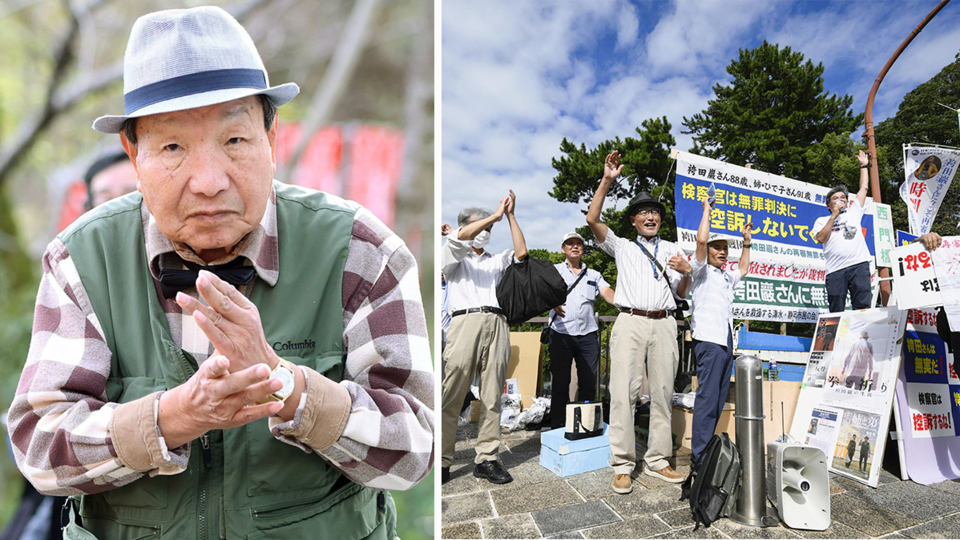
472	279
579	319
639	284
712	311
846	245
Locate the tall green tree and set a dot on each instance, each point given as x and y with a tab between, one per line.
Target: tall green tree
646	163
921	119
771	113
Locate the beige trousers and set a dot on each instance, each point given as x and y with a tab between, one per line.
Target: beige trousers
477	343
637	344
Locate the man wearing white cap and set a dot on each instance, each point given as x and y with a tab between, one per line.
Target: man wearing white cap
196	342
573	330
651	275
712	324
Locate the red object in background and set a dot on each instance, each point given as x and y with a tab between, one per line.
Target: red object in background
320	164
74	204
375	163
376	160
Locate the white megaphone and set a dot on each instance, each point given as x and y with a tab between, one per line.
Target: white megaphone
798	484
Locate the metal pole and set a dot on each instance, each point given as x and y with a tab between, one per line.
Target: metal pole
868	133
752	506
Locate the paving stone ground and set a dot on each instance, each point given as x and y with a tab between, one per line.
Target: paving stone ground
539	504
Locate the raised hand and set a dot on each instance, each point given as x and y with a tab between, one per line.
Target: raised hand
680	264
445	229
747	232
512	203
611	166
231	322
863	158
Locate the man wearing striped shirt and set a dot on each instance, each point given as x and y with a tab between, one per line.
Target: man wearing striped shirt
573	330
712	324
651	274
168	399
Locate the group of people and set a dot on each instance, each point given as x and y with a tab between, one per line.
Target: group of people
652	276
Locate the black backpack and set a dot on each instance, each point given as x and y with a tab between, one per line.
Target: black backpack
528	288
714	481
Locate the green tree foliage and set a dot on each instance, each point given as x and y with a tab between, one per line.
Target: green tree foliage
771	113
646	163
921	119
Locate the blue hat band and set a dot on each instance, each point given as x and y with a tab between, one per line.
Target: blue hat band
194	83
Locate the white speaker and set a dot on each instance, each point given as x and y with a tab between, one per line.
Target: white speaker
798	484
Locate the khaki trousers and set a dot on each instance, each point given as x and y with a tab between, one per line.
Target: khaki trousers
637	344
476	343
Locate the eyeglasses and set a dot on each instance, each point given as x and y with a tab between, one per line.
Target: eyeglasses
644	212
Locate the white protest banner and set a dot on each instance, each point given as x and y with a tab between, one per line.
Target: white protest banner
914	279
946	264
928	172
883	234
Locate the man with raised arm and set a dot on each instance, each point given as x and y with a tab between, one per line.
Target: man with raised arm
651	274
712	324
478	341
844	247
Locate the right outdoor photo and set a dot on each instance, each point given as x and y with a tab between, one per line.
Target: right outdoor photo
699	269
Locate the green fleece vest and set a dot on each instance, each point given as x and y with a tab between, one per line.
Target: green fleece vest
241	482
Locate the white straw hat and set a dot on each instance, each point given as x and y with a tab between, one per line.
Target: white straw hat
183	59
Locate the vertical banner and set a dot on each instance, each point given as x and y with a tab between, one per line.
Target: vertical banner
946	264
848	387
928	171
928	401
883	234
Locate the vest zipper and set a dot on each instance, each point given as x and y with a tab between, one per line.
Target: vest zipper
207	455
202	503
223	522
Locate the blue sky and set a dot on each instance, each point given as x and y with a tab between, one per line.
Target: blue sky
517	77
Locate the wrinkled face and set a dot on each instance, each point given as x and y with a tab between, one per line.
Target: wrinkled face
837	198
717	253
206	173
573	249
114	181
646	220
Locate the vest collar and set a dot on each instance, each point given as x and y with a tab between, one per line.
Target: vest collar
260	246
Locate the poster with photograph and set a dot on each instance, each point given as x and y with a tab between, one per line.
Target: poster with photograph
823	342
856	446
863	368
822	431
848	389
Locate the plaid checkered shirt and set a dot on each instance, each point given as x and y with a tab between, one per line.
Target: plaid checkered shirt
375	426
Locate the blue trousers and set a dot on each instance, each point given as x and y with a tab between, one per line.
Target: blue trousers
854	278
714	364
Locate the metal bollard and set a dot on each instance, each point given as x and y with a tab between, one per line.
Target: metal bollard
751	506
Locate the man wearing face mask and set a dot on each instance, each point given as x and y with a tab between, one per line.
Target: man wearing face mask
844	248
478	340
651	274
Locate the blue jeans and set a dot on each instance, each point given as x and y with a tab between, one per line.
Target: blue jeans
714	364
855	279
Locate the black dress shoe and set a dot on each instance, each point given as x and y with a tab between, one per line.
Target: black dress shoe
492	471
444	475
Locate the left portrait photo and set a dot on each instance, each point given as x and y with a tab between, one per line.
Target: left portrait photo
217	241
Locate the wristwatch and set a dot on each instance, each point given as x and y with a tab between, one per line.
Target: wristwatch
284	372
746	245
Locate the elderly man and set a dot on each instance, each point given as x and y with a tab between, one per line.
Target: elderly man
478	341
573	330
712	324
650	272
844	248
858	365
195	343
